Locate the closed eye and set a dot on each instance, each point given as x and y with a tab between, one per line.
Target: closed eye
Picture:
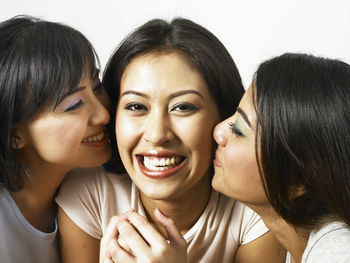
235	130
74	106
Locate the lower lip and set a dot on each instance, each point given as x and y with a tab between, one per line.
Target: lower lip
216	163
102	143
159	174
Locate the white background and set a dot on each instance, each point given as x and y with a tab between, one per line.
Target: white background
252	30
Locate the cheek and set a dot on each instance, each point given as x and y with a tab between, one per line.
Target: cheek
58	133
242	163
126	132
197	136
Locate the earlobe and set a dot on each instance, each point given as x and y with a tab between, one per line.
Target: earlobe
17	139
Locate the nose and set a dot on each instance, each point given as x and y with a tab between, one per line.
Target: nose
220	134
157	128
99	113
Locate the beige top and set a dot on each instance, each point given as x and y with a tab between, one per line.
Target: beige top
90	197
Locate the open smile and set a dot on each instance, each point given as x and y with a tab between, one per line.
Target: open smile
98	139
159	166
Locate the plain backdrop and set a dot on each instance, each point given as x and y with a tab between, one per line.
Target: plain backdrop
252	30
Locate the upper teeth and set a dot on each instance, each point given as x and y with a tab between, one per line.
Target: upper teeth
96	138
154	163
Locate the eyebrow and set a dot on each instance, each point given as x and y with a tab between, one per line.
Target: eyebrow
244	115
134	93
173	95
184	92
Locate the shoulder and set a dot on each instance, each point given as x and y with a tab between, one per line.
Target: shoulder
91	178
91	183
329	244
244	223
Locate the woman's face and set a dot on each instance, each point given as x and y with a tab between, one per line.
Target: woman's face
73	134
236	170
164	121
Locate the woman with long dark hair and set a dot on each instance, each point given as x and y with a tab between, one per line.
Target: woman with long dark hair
53	116
285	154
170	84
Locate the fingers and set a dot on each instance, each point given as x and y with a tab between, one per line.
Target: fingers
124	245
175	237
118	254
130	237
145	228
108	245
112	230
136	236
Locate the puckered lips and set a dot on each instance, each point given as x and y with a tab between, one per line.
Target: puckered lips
98	139
216	161
158	165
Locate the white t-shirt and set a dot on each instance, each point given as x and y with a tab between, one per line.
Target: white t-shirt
90	197
19	240
330	244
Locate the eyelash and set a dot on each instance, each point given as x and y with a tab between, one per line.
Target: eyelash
135	107
77	105
139	107
189	107
235	130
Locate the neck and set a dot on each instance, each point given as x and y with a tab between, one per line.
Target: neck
184	210
291	238
36	199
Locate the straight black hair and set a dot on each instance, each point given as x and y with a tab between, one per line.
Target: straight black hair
40	61
202	49
303	138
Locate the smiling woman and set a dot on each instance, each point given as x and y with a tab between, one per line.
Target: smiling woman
52	120
170	84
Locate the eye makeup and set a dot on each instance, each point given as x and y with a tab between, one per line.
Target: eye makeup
235	129
72	103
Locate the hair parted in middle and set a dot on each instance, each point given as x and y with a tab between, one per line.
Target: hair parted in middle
203	51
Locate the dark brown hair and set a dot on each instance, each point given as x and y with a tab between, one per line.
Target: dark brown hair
303	138
202	50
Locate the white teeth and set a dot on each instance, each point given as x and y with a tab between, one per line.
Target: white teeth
160	164
96	138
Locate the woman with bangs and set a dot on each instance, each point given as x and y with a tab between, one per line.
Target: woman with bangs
53	116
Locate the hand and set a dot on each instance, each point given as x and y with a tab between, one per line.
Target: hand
139	241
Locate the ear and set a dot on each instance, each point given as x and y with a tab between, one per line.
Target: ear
18	138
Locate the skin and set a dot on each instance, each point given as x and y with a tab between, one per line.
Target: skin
51	143
165	110
236	168
154	115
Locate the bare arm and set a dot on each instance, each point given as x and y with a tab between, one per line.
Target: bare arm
75	244
264	249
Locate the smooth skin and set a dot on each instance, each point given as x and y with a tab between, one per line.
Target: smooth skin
236	168
164	106
51	143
